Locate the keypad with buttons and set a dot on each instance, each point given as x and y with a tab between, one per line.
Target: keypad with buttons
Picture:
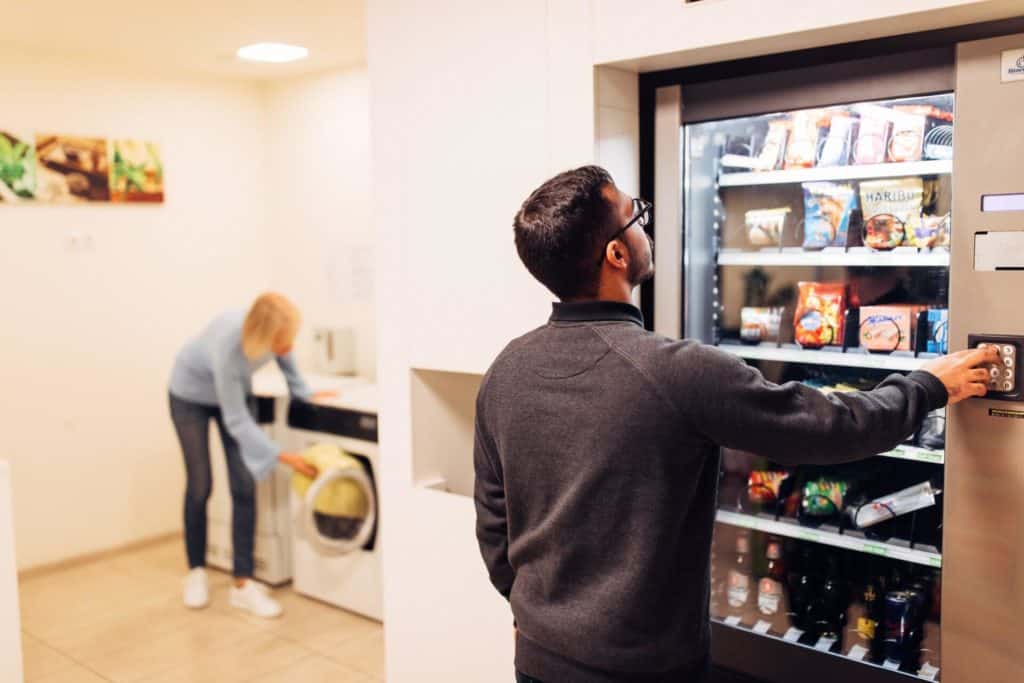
1004	378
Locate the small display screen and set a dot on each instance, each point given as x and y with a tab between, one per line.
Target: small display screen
1002	202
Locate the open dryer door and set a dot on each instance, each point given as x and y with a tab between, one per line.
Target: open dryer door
338	514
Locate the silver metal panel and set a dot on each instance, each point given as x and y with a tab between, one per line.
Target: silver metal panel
983	553
668	207
995	251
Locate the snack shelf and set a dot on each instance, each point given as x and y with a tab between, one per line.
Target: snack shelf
855	652
866	172
831	538
820	357
856	256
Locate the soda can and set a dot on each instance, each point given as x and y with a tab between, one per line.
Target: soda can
899	609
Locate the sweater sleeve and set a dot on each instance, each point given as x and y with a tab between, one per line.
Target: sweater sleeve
734	406
259	453
297	386
491	513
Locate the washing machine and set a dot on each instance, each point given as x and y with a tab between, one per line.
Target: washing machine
338	560
272	552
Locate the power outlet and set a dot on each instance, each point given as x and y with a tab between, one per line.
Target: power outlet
1005	379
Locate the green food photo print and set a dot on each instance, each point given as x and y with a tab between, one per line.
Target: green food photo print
17	167
137	174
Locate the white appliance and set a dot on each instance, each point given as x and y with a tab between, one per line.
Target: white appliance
338	560
272	553
335	350
273	547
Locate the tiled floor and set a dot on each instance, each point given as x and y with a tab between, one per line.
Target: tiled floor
121	619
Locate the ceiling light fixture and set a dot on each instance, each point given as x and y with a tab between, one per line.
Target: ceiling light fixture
275	53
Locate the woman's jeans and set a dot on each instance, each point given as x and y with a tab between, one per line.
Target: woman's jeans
192	422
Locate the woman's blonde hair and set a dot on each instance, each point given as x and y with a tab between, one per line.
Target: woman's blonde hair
270	318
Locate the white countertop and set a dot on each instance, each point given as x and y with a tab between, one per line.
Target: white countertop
354	393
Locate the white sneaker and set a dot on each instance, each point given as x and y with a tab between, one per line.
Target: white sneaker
255	598
197	589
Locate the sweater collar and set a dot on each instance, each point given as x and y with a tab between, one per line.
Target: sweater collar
590	311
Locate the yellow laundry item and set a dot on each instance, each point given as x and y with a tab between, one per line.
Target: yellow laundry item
341	497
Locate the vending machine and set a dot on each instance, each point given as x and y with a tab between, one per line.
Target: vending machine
834	223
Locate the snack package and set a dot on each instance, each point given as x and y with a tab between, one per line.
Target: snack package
927	110
802	150
765	226
838	143
763	486
937	334
759	324
933	231
819	318
907	140
774	150
886	328
872	142
884	231
823	498
827	208
894	504
883	200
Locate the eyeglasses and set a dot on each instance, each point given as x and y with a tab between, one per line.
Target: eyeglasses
642	212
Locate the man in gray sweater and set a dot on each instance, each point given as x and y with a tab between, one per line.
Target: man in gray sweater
596	449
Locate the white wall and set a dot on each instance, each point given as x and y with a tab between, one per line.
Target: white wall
89	337
472	106
318	131
661	34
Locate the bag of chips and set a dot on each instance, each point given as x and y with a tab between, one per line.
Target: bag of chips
820	314
774	150
892	210
835	151
827	208
872	143
763	486
802	150
823	498
933	231
907	140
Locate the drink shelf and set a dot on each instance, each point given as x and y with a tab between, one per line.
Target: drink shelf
866	172
856	256
927	672
838	357
832	538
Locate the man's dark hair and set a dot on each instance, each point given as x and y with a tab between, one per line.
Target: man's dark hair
560	228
